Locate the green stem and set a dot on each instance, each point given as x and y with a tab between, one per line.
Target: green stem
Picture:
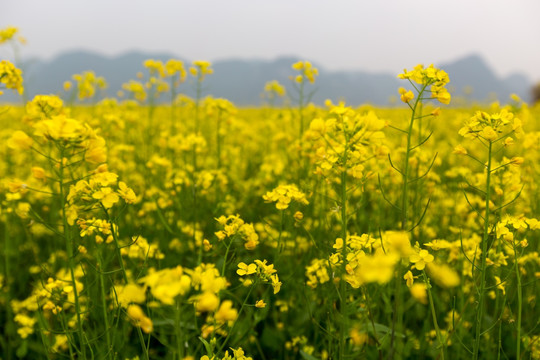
405	176
225	258
7	291
104	305
70	255
279	245
520	301
143	343
483	255
397	317
116	245
239	313
179	333
442	342
343	284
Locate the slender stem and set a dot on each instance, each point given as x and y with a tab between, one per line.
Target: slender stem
370	314
442	342
343	284
520	301
7	290
117	246
483	255
225	258
179	332
143	343
405	175
195	205
239	313
397	317
70	255
104	305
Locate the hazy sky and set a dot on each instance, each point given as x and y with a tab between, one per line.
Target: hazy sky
377	35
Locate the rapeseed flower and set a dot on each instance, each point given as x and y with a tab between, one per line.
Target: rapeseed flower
421	258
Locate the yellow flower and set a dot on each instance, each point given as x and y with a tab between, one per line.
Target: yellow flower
443	275
399	242
436	112
298	65
266	269
517	160
444	97
409	278
226	312
239	354
11	76
136	314
200	69
260	304
274	88
488	133
173	67
207	301
283	195
421	258
106	196
38	173
20	141
165	285
419	292
276	284
8	33
126	193
406	96
60	128
306	70
358	338
244	269
460	150
129	293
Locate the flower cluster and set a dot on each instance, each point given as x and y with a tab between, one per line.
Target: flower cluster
306	70
200	69
284	194
88	83
345	141
431	77
234	225
262	271
11	77
491	127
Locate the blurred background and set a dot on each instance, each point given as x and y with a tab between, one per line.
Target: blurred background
488	47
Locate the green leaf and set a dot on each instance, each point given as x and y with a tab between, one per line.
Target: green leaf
381	330
22	350
208	347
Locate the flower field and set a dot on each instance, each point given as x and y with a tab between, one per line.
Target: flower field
157	226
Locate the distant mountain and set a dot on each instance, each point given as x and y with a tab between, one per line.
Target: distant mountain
242	81
472	72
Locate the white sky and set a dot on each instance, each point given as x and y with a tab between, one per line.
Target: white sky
376	35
